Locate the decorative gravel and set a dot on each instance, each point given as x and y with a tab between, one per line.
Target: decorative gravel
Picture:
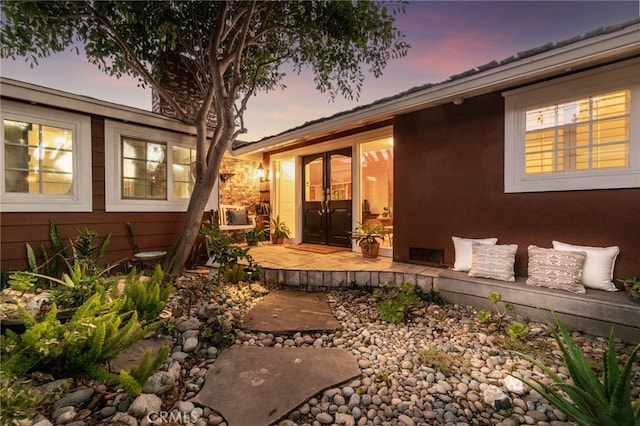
439	367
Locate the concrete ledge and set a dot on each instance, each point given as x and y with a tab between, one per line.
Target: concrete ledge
594	312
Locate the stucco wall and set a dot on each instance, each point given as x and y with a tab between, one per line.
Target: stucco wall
449	170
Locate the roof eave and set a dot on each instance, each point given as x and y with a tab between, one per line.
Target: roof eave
39	95
574	56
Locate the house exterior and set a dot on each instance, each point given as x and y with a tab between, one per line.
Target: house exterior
539	147
87	164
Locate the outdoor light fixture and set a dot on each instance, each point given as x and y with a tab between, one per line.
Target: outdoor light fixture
458	101
262	173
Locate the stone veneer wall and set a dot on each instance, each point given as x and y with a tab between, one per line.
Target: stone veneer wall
241	187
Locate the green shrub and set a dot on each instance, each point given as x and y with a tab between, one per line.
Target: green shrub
18	400
486	316
223	251
432	297
593	401
95	334
393	301
517	330
82	275
146	295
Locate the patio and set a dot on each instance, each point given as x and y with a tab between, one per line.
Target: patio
286	265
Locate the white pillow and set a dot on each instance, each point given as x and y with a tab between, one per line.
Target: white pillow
493	261
598	266
462	247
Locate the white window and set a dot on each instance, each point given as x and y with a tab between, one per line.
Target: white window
149	169
575	133
45	160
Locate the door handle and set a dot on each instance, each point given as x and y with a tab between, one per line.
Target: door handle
327	199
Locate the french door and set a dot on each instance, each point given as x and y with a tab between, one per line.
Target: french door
327	198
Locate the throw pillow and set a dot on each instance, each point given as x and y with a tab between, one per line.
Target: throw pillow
493	261
560	269
237	217
598	266
462	250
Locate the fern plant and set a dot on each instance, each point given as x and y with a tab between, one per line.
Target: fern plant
95	334
19	400
593	401
146	295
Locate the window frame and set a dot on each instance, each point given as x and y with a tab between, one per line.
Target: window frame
579	86
81	199
114	131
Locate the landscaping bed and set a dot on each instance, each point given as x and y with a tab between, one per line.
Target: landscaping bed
439	365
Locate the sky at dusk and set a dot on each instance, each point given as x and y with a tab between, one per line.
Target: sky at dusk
446	38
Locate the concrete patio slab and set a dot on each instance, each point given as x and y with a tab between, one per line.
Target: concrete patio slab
291	311
254	386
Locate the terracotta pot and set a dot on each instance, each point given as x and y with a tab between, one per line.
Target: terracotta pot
372	251
278	241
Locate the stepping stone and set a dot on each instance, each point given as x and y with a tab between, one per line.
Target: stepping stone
255	386
284	311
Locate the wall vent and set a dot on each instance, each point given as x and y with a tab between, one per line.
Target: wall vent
432	257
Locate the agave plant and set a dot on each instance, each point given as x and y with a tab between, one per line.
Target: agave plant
592	401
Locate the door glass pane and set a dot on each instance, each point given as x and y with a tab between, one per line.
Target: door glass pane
377	185
340	177
286	192
313	173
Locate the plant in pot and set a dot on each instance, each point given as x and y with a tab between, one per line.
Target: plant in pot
279	230
262	208
254	236
368	237
632	287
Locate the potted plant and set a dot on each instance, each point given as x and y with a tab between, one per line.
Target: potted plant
368	237
279	230
254	236
262	208
263	211
632	287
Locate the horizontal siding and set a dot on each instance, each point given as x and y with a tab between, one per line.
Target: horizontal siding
152	231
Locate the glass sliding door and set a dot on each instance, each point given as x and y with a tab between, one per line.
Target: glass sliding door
376	194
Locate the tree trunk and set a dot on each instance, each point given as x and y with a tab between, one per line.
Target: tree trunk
181	249
179	253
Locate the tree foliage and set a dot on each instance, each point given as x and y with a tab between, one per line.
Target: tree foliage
229	50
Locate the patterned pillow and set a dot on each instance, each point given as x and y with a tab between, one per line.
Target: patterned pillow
493	261
560	269
462	250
